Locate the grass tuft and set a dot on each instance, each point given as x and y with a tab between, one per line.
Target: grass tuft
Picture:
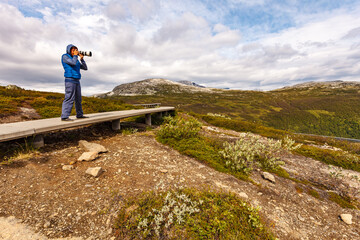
343	201
313	193
337	158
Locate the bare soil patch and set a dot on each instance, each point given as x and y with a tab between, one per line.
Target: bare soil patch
24	114
58	203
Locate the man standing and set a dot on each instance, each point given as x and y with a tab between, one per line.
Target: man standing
72	76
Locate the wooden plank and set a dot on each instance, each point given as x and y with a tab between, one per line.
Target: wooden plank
10	131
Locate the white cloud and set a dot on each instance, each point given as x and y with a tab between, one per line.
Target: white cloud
138	39
139	10
187	28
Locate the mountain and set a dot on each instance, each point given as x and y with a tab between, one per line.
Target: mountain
190	83
155	86
337	84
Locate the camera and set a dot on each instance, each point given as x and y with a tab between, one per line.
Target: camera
86	53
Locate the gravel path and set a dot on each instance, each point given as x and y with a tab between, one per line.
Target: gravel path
12	229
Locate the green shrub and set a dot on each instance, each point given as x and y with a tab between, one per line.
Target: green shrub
237	158
252	150
189	214
290	144
179	128
8	106
49	111
185	137
40	101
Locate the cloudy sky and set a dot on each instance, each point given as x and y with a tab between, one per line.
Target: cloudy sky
240	44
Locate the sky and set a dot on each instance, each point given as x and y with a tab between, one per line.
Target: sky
236	44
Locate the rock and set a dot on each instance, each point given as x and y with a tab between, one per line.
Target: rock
47	224
268	177
243	195
67	167
13	87
347	218
220	185
95	171
88	156
163	171
92	147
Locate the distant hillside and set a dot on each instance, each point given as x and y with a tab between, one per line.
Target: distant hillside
323	85
325	108
155	86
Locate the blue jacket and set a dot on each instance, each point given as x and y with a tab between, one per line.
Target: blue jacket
72	66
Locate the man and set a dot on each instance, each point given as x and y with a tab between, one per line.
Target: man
72	75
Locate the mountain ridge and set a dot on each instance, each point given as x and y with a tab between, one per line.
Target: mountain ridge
152	86
324	84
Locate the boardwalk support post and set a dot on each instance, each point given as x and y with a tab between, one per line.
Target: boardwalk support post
115	125
38	141
148	119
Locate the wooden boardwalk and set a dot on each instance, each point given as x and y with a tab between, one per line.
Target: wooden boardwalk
11	131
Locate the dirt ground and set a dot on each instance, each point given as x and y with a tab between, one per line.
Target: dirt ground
63	204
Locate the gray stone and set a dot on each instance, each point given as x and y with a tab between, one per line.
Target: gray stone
301	218
95	171
243	195
268	177
88	156
67	167
347	218
92	147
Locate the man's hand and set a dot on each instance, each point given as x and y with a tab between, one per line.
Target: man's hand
81	56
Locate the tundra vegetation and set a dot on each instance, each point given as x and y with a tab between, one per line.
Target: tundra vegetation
48	104
189	214
316	110
237	158
274	116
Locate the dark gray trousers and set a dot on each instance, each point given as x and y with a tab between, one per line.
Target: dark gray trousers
72	94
